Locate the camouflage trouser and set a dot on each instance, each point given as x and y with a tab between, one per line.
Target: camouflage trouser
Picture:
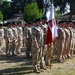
48	54
36	54
28	47
9	48
1	42
15	47
43	53
19	46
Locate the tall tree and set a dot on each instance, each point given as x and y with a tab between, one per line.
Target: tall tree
6	9
18	5
62	4
1	16
31	12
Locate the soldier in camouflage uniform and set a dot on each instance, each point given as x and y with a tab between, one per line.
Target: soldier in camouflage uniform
15	44
20	35
70	41
61	42
28	38
72	38
37	43
1	36
44	48
67	32
9	39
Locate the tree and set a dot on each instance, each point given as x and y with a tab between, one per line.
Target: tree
6	9
1	16
18	5
62	4
31	12
57	13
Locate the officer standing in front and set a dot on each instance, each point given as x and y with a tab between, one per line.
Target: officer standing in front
37	43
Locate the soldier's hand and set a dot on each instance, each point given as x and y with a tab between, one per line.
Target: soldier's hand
37	47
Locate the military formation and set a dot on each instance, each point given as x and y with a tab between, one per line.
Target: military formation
32	36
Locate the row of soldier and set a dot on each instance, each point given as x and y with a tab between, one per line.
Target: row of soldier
65	43
33	37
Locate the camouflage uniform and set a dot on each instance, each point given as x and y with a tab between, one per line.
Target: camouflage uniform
70	42
9	41
20	37
60	44
37	43
15	44
28	40
44	48
1	38
66	42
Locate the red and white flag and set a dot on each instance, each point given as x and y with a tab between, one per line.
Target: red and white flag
52	28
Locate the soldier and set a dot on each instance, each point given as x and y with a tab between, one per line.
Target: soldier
9	39
44	48
20	35
72	39
37	43
28	35
1	36
15	44
61	42
67	32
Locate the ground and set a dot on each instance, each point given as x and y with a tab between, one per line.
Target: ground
19	65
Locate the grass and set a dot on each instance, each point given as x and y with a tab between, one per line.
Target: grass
19	65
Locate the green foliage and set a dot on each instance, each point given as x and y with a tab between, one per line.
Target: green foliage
57	13
6	9
31	12
1	16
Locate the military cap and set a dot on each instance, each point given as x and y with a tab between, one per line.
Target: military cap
30	22
38	19
44	17
18	22
9	23
13	22
33	21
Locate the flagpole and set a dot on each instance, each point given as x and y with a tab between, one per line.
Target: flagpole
51	33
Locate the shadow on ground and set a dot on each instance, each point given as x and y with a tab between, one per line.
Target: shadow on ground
16	71
20	69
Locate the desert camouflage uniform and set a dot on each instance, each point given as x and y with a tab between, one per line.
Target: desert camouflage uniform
28	40
44	48
20	37
66	42
15	44
60	44
1	38
37	43
9	41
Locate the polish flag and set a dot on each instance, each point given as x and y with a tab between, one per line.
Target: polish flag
52	28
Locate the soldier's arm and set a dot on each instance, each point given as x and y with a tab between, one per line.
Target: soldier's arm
36	44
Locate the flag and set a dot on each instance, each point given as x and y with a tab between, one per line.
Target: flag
52	28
